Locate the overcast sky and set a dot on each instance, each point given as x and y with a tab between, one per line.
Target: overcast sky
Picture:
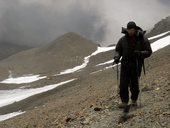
37	22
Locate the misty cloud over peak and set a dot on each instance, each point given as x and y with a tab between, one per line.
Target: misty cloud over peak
36	22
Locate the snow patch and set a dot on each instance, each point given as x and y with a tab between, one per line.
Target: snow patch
10	115
102	49
111	66
161	43
23	79
157	36
108	62
86	60
10	96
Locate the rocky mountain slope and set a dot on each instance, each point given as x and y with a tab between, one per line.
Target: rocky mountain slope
160	27
90	101
64	52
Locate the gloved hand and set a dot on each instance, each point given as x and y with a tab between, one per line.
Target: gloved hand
116	60
138	53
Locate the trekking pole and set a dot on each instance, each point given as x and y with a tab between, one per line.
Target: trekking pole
140	91
117	82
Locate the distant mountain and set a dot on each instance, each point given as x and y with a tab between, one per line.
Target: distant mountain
63	53
160	27
7	49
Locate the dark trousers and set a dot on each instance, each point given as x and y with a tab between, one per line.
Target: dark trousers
129	79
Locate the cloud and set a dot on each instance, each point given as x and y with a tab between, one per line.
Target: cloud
36	22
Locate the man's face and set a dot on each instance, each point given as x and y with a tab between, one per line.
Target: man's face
131	32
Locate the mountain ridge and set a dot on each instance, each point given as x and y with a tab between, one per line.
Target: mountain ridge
160	27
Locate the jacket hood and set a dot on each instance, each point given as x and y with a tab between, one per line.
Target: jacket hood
140	31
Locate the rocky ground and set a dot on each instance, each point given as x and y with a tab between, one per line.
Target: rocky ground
91	101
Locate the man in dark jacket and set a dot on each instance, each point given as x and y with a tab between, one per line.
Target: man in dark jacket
133	47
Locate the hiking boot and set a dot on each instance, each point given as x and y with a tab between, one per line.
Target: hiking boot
134	103
123	105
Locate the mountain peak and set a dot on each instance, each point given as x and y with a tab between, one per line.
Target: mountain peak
71	37
71	34
70	42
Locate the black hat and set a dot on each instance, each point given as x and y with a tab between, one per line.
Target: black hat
131	25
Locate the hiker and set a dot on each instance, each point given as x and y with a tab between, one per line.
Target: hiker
133	47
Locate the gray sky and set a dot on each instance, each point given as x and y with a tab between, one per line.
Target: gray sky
37	22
